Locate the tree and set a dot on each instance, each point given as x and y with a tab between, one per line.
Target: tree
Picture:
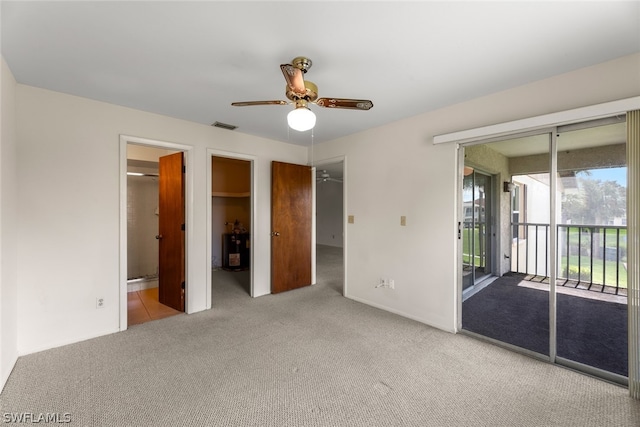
597	203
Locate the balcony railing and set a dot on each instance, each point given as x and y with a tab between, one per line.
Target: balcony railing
589	256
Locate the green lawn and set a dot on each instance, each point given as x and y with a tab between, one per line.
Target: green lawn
600	268
467	235
585	238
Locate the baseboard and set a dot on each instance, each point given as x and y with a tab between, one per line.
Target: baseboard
337	245
25	352
5	376
428	322
141	284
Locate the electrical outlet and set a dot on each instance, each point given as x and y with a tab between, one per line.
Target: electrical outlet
385	282
99	302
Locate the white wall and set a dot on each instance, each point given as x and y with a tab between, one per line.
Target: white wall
142	226
537	208
419	180
8	229
69	181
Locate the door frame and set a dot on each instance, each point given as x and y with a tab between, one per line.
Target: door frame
318	165
211	153
552	133
539	124
187	150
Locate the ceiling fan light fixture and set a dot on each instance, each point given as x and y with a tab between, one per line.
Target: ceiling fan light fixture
303	92
301	119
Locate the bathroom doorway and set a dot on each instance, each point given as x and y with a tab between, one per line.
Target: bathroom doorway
155	289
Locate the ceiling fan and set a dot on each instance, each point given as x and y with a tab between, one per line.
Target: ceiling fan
324	177
302	92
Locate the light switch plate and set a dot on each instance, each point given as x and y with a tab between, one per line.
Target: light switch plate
351	219
403	220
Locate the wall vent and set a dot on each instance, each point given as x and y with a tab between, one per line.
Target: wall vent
224	126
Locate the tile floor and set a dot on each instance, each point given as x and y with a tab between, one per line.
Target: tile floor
143	306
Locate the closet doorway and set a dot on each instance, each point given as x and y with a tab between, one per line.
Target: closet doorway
231	223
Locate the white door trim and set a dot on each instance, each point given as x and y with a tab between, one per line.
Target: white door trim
189	196
253	198
333	160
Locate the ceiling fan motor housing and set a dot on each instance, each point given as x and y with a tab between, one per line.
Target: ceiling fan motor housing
310	95
302	63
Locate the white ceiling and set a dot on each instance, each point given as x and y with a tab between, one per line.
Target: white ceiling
190	60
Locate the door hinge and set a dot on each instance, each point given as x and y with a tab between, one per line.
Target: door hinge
182	285
184	169
459	230
182	227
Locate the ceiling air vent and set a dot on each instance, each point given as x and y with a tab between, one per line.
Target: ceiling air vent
224	126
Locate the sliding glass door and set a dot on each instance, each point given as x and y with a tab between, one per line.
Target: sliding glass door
559	290
507	307
591	254
476	230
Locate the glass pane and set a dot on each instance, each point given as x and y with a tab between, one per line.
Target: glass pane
481	191
513	306
475	231
592	247
468	241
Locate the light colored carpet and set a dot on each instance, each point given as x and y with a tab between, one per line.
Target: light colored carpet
308	357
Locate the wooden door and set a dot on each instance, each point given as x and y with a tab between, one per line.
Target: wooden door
171	263
290	226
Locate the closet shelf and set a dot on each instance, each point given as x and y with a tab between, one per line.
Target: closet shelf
226	194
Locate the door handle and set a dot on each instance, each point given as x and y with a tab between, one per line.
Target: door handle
275	233
158	236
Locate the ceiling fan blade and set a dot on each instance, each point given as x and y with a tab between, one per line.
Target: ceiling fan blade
248	103
352	104
328	180
294	78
